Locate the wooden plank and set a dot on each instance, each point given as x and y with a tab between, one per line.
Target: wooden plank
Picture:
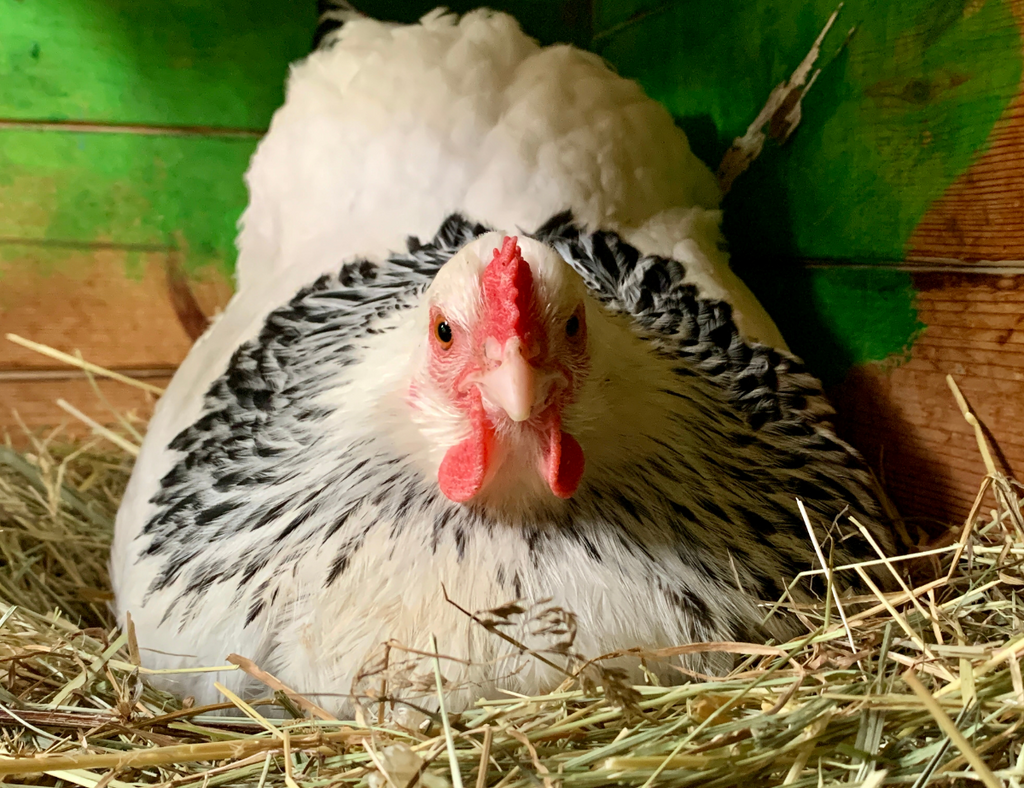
981	216
1005	306
82	299
33	403
903	417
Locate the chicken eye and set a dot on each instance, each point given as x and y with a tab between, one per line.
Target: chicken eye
572	327
443	332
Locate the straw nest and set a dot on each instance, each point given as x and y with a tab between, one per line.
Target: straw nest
918	687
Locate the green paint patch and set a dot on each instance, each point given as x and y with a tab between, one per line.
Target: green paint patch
178	62
183	192
854	299
837	318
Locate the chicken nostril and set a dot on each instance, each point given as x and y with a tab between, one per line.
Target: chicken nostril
493	350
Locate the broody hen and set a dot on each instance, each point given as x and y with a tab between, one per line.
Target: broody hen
484	344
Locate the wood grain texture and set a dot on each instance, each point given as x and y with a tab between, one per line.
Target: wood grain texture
82	299
33	403
903	417
981	215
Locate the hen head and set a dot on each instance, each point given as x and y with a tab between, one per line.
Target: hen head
505	352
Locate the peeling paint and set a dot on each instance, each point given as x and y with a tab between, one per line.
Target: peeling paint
781	114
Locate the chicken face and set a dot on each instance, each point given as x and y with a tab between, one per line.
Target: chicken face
507	350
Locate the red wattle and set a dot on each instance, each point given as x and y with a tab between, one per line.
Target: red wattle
564	463
462	471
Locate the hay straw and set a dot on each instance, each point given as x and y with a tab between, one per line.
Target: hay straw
917	687
86	366
277	685
950	729
99	429
449	739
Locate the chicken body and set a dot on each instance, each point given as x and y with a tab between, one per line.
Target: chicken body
290	503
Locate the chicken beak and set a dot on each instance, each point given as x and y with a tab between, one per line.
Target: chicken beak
511	386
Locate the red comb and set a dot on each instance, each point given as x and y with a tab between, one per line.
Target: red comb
508	292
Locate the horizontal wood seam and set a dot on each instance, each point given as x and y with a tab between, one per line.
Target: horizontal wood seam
31	375
143	129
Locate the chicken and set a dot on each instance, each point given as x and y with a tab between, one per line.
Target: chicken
485	347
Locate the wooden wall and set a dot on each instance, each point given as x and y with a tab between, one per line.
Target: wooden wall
124	131
885	236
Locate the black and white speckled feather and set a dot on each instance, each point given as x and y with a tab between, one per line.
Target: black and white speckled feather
297	525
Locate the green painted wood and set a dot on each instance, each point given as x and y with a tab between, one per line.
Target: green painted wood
891	121
179	62
184	192
176	62
839	317
895	116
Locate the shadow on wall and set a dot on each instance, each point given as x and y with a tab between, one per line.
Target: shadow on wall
795	296
840	317
705	140
549	21
869	417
